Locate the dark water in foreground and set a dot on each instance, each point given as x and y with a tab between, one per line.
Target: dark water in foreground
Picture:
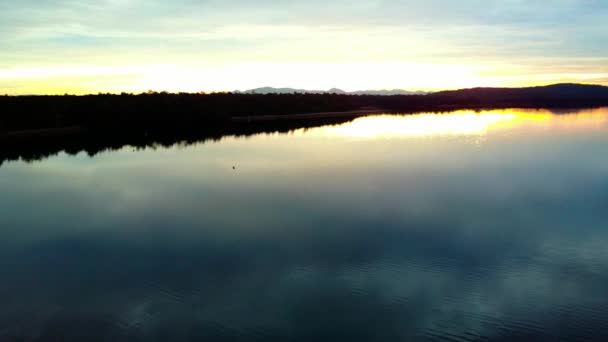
462	227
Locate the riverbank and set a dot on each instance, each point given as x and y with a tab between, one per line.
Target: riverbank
309	116
63	132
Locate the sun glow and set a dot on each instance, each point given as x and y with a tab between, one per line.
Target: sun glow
469	123
225	76
419	125
209	77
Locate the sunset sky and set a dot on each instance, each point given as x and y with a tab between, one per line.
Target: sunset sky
85	46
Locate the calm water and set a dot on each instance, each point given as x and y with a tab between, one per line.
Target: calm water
461	227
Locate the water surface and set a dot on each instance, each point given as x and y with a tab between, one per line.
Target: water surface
464	226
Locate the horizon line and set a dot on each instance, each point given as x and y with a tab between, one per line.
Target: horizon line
310	91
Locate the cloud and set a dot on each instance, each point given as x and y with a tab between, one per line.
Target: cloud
65	32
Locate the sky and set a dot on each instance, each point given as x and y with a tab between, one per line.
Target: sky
86	46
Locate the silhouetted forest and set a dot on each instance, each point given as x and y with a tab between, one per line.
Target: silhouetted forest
32	127
152	110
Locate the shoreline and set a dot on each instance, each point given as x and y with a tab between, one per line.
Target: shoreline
48	133
307	116
365	112
25	136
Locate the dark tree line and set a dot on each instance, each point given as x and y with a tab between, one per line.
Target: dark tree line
165	110
152	110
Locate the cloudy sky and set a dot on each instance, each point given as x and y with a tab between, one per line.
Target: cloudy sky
86	46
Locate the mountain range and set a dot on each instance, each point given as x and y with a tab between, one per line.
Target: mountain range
271	90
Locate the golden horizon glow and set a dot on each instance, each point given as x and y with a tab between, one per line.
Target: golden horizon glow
135	78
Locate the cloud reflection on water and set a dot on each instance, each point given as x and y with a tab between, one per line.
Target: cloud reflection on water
317	237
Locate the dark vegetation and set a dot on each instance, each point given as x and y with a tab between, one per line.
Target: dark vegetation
164	110
32	127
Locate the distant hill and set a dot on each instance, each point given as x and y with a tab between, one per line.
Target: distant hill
566	94
556	95
565	89
387	92
562	90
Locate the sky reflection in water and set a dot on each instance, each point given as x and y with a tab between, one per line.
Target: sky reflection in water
465	225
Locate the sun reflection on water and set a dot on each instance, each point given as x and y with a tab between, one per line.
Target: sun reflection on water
460	123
